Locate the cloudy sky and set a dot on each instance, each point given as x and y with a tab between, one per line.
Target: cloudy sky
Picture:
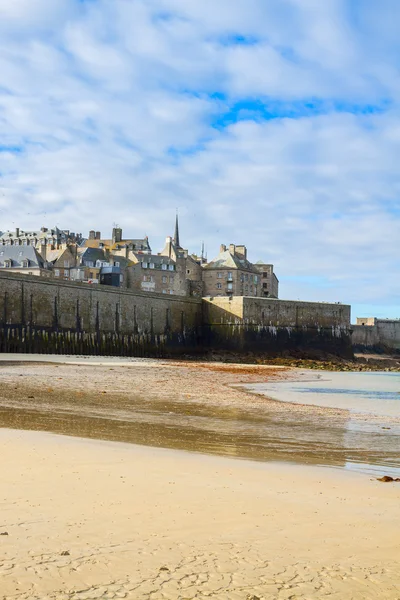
273	123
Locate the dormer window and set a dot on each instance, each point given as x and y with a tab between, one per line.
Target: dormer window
151	265
144	265
25	263
7	263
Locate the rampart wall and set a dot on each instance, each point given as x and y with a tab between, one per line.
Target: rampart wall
264	324
40	315
383	334
47	316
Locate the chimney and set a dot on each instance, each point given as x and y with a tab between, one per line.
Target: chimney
222	248
168	245
116	235
241	251
98	235
232	249
92	234
17	231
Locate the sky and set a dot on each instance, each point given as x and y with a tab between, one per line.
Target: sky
269	123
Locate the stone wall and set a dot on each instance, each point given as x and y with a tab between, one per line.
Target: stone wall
379	334
267	325
48	316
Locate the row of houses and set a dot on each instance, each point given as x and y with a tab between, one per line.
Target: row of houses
131	263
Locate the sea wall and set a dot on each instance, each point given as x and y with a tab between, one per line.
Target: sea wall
38	315
378	334
48	316
267	325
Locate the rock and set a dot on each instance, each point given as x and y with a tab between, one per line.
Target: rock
386	479
65	553
164	569
4	533
253	597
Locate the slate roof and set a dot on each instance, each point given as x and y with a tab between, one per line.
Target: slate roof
226	260
17	255
93	255
139	244
154	258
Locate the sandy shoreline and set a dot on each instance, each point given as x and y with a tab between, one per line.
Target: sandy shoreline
149	523
142	522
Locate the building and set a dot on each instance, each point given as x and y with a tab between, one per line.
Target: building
171	271
269	284
231	274
43	239
23	259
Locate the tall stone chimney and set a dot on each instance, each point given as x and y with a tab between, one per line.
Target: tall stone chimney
116	235
241	251
232	248
222	248
98	235
92	234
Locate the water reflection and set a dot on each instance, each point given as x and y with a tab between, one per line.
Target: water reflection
257	434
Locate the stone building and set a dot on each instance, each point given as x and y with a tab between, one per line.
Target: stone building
23	259
231	274
44	239
269	284
171	271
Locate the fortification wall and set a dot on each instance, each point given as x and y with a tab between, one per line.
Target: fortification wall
266	325
48	316
384	334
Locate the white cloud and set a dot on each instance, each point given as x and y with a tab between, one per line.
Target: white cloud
110	106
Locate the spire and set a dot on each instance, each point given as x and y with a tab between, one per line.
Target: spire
176	235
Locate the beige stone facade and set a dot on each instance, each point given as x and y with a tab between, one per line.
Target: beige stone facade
231	274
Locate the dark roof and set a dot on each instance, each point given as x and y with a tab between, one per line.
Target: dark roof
155	258
226	260
93	254
17	255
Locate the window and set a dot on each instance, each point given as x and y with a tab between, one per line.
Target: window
151	265
171	279
56	273
171	267
255	279
144	265
164	279
230	275
246	277
171	292
164	267
219	275
219	285
66	263
230	286
164	291
21	253
116	263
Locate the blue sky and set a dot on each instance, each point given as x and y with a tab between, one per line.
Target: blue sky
273	123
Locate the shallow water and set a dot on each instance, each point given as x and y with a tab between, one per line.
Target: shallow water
372	393
260	433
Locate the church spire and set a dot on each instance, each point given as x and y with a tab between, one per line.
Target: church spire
176	235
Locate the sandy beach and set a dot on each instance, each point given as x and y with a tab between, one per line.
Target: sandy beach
89	518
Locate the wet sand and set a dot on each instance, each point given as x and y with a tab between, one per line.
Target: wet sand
98	519
199	407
